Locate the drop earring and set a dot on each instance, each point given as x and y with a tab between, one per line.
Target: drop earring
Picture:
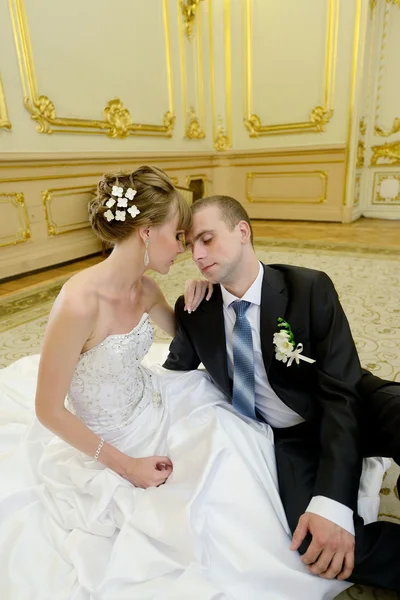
146	252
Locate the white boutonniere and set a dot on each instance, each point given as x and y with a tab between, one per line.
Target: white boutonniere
286	349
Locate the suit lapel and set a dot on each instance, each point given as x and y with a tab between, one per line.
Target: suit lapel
216	339
273	305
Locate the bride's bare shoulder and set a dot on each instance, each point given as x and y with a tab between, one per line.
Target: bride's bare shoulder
79	295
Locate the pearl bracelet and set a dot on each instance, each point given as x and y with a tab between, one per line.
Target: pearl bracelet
99	447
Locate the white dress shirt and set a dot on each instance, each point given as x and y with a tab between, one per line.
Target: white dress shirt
275	412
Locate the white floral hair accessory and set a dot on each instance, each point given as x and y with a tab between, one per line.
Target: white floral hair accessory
109	215
120	215
117	191
133	211
130	193
120	198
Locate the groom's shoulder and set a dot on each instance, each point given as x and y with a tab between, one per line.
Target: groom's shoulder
301	280
294	272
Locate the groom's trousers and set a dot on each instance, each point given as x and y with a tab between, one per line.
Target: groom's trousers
297	449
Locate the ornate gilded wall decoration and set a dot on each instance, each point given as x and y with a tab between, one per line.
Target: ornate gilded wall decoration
387	189
221	140
384	41
395	129
319	115
117	122
388	153
221	126
360	154
189	9
194	131
23	234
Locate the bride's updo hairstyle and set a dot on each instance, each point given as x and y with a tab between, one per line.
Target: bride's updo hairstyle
125	202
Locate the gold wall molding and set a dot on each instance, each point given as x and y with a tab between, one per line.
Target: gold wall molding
189	10
379	130
36	162
319	199
360	154
377	197
117	121
194	123
198	177
319	115
372	4
4	121
194	130
363	126
386	152
357	189
48	196
222	135
350	147
23	234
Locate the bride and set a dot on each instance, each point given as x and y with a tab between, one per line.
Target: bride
132	482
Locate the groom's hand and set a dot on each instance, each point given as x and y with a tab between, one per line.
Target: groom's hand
331	551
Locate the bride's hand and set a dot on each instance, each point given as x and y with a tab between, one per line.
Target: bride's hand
151	471
195	290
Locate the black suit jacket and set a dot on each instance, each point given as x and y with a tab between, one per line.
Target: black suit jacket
324	393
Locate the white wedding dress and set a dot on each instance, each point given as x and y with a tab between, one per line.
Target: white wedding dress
72	529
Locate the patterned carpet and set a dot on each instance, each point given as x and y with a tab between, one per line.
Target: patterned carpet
368	284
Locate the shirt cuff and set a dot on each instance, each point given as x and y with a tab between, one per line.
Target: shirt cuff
334	511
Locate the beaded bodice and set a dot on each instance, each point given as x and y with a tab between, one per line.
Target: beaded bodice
110	386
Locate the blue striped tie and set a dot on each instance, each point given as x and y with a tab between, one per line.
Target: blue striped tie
243	398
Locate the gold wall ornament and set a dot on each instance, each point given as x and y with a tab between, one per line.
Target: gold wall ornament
360	155
377	197
23	234
194	123
395	129
372	4
357	189
319	118
117	122
4	121
384	39
321	114
194	131
189	9
319	198
363	126
48	196
387	152
118	117
221	140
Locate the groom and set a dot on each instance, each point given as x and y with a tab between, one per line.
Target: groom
325	414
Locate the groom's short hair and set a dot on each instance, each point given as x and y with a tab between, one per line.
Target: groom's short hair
230	209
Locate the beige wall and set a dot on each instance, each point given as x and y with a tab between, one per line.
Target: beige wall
43	199
287	64
262	99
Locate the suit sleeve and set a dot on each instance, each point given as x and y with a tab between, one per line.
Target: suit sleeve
338	375
182	355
